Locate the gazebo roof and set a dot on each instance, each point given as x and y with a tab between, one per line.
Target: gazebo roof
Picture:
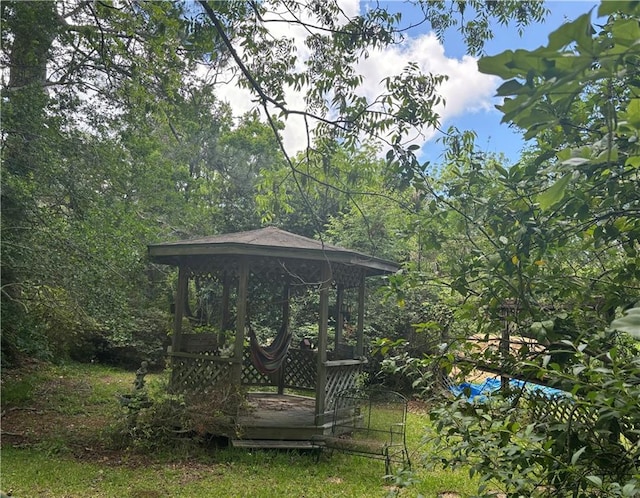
269	242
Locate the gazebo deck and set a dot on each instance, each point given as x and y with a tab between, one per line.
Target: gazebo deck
278	421
279	417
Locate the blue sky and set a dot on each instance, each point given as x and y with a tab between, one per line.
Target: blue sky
469	94
494	137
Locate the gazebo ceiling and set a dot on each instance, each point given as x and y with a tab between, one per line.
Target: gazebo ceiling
270	246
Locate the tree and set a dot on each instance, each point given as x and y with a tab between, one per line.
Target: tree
268	64
104	145
556	238
102	154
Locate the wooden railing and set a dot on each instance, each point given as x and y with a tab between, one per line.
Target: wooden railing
342	375
300	369
195	372
201	372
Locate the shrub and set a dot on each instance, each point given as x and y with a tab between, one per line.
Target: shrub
158	419
587	444
127	343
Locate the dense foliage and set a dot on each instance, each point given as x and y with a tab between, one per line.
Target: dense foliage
552	256
103	153
114	136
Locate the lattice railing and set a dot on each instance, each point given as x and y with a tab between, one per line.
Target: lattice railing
340	377
198	373
202	373
300	369
250	374
558	409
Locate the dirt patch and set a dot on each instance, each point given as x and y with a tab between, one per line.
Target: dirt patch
75	415
81	435
47	416
61	415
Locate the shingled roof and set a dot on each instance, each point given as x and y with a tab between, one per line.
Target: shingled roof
269	242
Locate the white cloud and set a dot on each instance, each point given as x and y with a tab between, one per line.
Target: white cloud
466	90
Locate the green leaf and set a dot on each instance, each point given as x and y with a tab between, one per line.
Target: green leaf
575	161
555	193
608	8
503	172
511	87
500	65
633	113
595	480
576	455
626	32
629	323
633	161
579	31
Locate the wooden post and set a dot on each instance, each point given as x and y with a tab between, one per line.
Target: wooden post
323	325
339	317
224	312
181	298
238	350
360	329
285	324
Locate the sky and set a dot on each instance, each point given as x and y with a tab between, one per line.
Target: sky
494	137
469	95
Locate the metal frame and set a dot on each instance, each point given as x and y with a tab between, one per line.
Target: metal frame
371	423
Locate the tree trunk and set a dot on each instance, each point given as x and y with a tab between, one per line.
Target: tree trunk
31	28
34	26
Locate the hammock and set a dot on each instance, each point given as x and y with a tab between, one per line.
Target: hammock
268	359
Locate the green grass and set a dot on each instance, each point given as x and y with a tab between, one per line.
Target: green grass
20	391
232	473
60	463
70	388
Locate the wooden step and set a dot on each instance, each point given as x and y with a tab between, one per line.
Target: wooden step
275	444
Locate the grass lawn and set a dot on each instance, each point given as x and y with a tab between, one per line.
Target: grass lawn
55	443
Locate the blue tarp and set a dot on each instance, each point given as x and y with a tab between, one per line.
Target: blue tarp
480	392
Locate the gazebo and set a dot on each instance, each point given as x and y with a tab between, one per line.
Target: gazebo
203	361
